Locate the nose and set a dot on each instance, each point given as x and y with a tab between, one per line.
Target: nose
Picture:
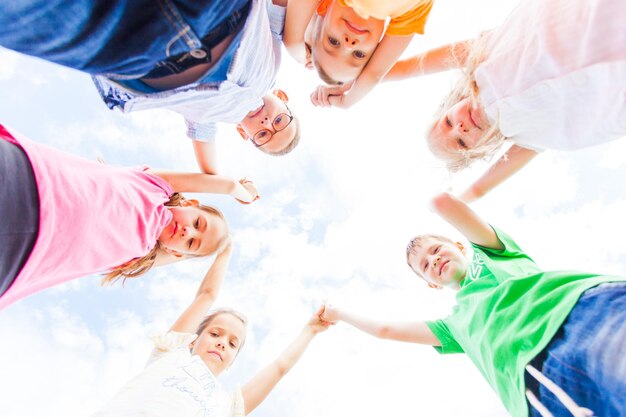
350	41
220	344
435	260
462	127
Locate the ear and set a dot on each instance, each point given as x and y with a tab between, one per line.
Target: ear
309	64
281	95
190	203
434	286
461	247
242	132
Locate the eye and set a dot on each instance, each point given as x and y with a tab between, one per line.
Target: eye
426	266
196	224
262	134
333	41
461	143
448	122
233	345
437	249
359	54
278	119
214	334
190	243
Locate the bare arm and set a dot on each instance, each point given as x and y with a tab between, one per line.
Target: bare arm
299	13
414	332
511	162
385	56
206	183
258	388
207	292
466	221
443	58
206	155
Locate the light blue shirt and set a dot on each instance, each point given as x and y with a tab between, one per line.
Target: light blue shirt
251	75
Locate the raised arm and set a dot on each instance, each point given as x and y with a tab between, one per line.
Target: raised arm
384	57
207	292
413	332
193	182
298	15
258	388
206	156
466	221
443	58
512	161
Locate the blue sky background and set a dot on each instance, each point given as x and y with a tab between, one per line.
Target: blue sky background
332	223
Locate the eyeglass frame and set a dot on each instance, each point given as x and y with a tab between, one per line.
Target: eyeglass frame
291	117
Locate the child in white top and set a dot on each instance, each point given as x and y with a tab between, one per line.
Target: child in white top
180	379
561	85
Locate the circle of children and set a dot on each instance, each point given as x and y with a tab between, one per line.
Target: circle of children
548	342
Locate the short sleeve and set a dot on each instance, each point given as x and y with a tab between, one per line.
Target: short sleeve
411	22
442	332
276	15
238	406
202	132
168	343
511	248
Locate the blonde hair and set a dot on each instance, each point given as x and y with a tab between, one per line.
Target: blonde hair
492	139
418	241
139	266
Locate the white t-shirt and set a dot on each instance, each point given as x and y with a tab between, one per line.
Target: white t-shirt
173	384
555	73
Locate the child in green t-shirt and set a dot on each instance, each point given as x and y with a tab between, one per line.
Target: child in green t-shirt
513	319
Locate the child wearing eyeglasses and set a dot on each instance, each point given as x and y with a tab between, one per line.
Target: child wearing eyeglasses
210	61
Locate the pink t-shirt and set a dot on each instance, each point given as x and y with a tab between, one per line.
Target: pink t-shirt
92	217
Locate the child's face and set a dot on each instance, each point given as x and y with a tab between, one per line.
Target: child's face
342	41
192	231
219	342
272	120
442	264
458	130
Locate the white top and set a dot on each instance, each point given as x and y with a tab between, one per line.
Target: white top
251	76
173	384
555	73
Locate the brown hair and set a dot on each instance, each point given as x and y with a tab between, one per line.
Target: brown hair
492	139
418	241
224	310
139	266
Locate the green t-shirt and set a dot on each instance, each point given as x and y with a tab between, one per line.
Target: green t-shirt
507	312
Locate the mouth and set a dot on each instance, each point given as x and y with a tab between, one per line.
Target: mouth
257	111
443	264
174	230
216	353
474	121
355	29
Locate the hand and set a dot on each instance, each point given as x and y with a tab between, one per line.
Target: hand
330	314
249	186
327	96
316	323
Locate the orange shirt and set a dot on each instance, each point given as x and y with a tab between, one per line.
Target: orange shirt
407	16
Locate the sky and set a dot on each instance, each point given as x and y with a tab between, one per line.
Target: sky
332	225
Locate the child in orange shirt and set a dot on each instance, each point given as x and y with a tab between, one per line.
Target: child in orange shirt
348	43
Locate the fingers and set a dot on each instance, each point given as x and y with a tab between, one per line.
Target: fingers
325	96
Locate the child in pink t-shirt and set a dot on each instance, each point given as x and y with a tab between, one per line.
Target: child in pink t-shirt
91	217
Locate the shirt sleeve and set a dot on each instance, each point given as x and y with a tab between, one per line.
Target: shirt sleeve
238	406
411	22
511	248
169	342
277	19
202	132
442	332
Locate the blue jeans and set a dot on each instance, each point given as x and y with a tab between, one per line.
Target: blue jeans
117	38
587	357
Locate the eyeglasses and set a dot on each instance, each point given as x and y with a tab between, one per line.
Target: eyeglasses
279	123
